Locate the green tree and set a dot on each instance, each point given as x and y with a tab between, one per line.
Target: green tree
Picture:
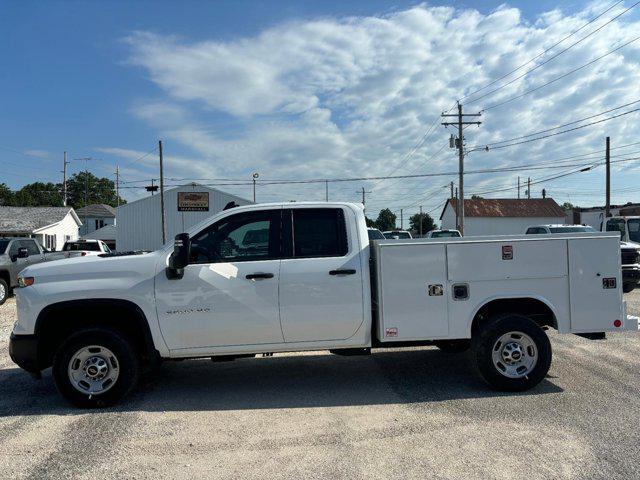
568	206
38	194
370	223
6	195
386	220
476	197
427	223
84	188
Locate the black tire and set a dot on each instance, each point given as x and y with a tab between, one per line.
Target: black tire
4	291
126	360
453	346
486	339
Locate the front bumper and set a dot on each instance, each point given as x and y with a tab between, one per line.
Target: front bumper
23	350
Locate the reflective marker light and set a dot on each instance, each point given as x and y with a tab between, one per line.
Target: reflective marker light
26	281
617	323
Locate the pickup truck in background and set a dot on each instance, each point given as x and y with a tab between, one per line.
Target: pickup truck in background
443	234
397	235
17	253
297	277
83	248
629	252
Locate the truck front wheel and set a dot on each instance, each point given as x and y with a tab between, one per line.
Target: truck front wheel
95	368
4	291
512	352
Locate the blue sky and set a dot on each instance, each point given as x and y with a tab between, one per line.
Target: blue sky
299	90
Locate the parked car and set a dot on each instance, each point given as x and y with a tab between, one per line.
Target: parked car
628	227
375	234
317	283
397	234
83	248
17	253
443	234
629	252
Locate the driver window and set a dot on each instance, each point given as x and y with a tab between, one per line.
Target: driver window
616	225
244	237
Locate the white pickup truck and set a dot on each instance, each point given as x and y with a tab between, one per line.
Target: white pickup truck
304	276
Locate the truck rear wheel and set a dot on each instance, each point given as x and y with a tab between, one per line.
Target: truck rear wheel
95	368
512	352
4	291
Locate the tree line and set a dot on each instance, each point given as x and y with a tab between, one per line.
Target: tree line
387	221
83	188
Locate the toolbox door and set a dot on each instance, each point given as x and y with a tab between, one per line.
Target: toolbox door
413	292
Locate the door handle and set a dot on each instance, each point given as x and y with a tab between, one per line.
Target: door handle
348	271
255	276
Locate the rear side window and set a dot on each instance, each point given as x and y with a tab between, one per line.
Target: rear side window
319	232
536	231
31	246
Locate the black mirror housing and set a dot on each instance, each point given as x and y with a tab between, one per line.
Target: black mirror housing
179	259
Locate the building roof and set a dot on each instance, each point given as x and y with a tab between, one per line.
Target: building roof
97	210
30	219
508	207
108	232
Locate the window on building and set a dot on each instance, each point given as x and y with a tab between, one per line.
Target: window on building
319	232
99	224
50	242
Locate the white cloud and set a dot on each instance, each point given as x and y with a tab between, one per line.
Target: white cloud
350	96
37	153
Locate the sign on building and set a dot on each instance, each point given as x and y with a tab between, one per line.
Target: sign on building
193	201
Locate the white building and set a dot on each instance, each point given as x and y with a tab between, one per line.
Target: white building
502	216
51	226
96	216
593	216
139	224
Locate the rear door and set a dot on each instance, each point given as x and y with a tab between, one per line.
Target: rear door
321	275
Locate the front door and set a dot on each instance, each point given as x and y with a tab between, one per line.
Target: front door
321	275
229	292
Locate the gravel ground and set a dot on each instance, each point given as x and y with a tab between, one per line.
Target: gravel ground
395	414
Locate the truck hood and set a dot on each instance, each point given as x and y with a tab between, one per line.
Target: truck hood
93	268
629	245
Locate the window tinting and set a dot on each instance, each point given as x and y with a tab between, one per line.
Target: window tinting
243	237
571	229
445	234
31	246
3	246
319	232
375	235
87	246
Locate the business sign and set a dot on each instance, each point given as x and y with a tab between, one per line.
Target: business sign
193	201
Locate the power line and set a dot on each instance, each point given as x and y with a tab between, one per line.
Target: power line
499	104
486	147
543	53
553	57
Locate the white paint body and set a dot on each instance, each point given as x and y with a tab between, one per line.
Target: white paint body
215	310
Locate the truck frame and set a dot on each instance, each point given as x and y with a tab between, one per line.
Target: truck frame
304	276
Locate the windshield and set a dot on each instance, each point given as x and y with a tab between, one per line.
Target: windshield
576	229
633	225
444	234
3	246
76	246
375	235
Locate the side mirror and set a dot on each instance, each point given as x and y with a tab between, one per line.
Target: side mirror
179	259
23	252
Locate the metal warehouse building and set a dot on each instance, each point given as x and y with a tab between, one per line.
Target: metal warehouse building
140	223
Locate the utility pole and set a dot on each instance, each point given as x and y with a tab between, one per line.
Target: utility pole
452	190
457	226
529	188
401	221
117	185
460	145
420	232
64	180
86	188
607	210
518	186
326	190
364	192
164	227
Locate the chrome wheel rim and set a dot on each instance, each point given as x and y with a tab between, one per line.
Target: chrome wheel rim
515	355
3	292
93	370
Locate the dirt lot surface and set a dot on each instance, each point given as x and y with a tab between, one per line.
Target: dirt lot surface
395	414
